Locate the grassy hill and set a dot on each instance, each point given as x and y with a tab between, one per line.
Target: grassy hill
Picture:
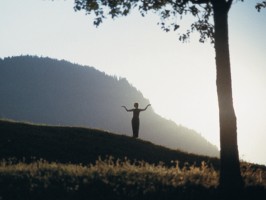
24	141
52	162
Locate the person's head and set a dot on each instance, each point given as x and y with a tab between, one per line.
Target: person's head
136	105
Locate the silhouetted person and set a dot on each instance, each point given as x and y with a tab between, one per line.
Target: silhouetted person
135	119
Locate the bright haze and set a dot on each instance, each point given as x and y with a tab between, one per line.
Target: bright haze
178	78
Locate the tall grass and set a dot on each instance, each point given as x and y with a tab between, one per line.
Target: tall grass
115	179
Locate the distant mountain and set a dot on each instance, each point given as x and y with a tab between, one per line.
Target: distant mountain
49	91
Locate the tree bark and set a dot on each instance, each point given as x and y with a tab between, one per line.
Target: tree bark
230	176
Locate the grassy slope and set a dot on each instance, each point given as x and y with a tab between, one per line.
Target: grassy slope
82	145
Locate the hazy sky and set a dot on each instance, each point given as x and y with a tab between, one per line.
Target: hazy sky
178	78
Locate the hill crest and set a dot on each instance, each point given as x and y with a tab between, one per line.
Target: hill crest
26	141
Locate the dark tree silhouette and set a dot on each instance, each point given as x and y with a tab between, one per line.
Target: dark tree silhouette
217	33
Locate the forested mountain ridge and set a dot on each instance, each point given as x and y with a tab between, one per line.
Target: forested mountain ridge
49	91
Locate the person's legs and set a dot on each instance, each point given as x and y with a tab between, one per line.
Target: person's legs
135	127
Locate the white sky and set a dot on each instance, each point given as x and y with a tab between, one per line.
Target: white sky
178	79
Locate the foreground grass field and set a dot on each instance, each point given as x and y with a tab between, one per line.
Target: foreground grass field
116	179
53	163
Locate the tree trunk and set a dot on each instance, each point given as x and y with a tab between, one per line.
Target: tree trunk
230	176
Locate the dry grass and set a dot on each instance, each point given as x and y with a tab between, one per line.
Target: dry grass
115	179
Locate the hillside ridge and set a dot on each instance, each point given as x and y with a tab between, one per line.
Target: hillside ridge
65	144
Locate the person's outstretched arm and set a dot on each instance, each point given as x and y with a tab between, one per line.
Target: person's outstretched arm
146	107
127	109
